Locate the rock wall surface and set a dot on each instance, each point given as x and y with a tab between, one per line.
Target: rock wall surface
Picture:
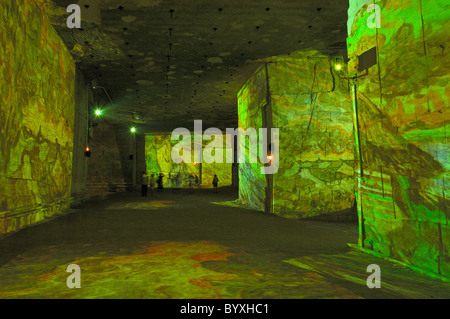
403	112
310	103
37	76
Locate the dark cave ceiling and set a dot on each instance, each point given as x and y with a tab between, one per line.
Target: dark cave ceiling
171	62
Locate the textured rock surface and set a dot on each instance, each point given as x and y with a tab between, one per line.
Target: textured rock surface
311	106
403	111
251	98
37	113
105	165
83	97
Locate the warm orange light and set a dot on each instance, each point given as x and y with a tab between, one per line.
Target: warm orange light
87	149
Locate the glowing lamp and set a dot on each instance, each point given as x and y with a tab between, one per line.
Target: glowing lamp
133	130
98	112
338	63
87	152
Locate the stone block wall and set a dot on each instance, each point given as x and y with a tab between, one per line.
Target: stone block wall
105	162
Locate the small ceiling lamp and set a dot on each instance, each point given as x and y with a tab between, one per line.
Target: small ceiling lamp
98	112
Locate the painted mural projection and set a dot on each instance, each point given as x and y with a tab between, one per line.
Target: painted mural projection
36	117
218	165
402	108
311	104
251	97
158	159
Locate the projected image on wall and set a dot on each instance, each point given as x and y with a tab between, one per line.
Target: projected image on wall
158	160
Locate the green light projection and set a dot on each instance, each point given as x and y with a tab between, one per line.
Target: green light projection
251	98
203	270
37	88
311	105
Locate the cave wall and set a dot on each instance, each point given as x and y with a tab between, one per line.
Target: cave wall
402	106
83	98
310	103
37	75
251	98
105	164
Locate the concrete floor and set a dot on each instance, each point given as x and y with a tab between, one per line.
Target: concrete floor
193	244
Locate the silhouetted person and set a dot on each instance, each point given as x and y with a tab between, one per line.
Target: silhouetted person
196	181
144	184
160	182
215	182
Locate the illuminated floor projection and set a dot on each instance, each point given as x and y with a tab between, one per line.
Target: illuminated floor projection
188	251
144	205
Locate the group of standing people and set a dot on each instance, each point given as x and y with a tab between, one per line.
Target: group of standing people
149	182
